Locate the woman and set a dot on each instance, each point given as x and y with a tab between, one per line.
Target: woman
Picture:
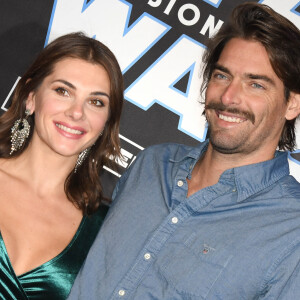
61	128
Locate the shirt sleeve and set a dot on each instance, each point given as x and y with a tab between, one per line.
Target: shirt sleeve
284	279
292	287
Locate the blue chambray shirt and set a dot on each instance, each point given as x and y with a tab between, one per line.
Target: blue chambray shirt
238	239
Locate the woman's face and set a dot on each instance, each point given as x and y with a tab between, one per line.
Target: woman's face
71	107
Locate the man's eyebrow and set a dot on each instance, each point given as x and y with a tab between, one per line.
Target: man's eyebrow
221	68
69	84
261	77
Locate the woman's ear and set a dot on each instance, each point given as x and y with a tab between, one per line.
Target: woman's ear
30	102
293	107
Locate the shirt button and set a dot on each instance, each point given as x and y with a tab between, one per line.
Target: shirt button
180	183
234	190
121	293
147	256
174	220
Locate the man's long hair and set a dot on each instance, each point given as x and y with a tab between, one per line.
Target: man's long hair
281	39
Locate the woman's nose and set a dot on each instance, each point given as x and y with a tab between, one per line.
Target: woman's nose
75	111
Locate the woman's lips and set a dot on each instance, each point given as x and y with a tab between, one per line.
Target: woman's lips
69	131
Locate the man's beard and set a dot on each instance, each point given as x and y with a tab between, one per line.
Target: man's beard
220	107
218	146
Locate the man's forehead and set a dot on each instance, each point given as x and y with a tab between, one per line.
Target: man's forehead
248	57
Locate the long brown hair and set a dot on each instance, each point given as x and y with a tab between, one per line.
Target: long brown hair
281	39
82	188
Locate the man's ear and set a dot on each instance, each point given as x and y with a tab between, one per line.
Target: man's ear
30	102
293	106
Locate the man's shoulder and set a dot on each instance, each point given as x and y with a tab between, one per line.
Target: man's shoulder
290	187
171	151
156	159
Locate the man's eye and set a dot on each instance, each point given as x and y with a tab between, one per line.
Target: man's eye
257	85
96	102
62	91
219	76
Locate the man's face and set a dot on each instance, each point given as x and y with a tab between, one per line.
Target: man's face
245	103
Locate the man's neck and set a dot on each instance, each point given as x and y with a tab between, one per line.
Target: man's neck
212	164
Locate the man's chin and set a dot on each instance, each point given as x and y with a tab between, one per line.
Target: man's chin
224	148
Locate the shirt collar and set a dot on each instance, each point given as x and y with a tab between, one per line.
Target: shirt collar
194	152
253	178
249	179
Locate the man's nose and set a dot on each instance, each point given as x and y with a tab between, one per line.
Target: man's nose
232	94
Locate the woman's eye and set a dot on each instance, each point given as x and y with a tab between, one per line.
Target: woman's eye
96	102
62	91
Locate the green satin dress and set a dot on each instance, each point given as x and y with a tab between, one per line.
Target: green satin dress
53	279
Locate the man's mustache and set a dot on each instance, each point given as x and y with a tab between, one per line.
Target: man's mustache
221	107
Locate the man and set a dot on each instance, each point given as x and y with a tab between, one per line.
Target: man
222	220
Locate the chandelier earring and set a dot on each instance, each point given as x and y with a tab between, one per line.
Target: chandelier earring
81	157
19	132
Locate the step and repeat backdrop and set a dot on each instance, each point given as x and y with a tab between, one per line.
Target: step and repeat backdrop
158	43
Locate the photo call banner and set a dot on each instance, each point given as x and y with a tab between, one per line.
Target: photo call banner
159	46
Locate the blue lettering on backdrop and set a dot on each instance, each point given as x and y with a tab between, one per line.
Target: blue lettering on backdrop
155	86
189	21
86	5
294	159
156	3
93	16
51	22
189	72
215	3
294	9
128	28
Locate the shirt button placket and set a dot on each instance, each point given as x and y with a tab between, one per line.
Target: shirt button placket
146	257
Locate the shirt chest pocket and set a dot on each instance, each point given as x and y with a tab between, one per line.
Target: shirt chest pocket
192	267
